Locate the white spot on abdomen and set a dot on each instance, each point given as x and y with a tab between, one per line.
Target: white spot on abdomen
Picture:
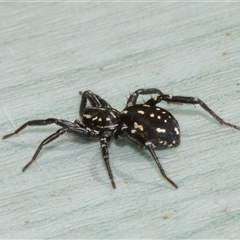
162	130
140	111
176	130
136	125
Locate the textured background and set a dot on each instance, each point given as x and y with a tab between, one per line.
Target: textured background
49	52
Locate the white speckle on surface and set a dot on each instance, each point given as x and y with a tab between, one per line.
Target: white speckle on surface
152	115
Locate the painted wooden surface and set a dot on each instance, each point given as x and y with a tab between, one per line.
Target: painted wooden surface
50	51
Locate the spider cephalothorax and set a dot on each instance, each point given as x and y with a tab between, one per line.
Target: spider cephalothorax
145	124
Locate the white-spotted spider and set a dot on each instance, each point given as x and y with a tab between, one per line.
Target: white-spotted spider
145	124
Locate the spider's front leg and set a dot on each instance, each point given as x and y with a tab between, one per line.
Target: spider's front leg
94	99
77	128
42	122
132	100
47	140
104	140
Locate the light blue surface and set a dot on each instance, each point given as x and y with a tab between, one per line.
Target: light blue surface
49	52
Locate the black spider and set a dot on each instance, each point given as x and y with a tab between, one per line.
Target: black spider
145	124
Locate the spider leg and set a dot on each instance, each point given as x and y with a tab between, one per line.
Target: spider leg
44	142
94	99
151	150
62	123
191	100
134	96
77	128
141	141
104	140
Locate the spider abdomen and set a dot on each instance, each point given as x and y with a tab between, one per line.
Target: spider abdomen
147	124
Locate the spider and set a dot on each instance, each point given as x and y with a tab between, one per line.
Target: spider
145	124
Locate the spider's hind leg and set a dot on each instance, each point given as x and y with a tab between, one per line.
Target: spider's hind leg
194	100
151	150
132	100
